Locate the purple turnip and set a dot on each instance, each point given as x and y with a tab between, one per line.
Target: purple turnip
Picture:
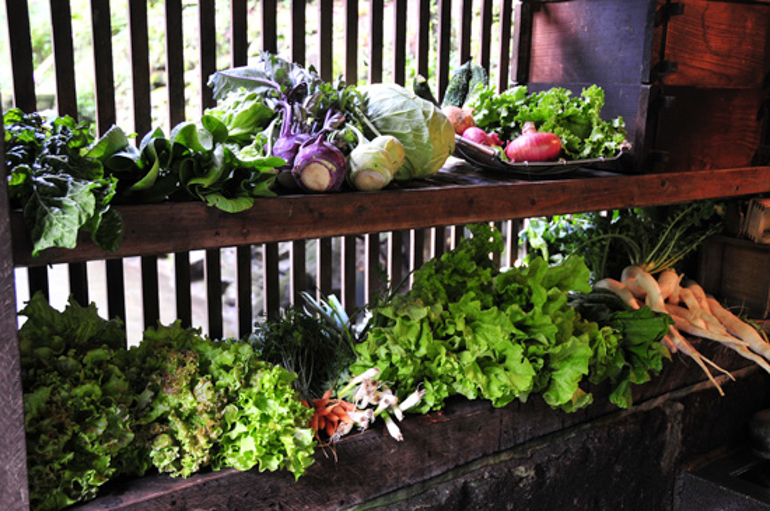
319	166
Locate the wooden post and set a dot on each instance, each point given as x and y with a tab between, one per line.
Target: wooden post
14	493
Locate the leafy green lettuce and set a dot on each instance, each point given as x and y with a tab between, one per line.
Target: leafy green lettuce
221	160
77	403
577	121
632	353
466	328
204	402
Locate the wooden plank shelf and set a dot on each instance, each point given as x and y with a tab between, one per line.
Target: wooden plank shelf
371	470
457	195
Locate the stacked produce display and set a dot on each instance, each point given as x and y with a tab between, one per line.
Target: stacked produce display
278	129
567	320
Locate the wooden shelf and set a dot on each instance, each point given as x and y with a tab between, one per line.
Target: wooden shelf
457	195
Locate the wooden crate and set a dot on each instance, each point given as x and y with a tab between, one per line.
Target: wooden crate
688	77
737	272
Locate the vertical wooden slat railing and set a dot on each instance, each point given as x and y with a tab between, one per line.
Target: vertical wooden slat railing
207	66
466	19
140	82
175	87
348	248
485	34
66	104
14	487
324	248
269	25
24	97
298	250
101	42
418	238
396	238
506	30
239	44
372	278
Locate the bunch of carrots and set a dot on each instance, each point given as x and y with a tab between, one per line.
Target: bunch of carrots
369	399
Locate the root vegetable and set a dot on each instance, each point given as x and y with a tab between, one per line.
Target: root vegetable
739	328
620	289
533	146
668	282
461	118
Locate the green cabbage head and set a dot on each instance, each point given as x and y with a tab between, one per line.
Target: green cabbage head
426	133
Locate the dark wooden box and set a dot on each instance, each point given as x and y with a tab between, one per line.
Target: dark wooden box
689	77
737	272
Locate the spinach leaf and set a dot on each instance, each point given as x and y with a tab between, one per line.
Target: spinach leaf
60	187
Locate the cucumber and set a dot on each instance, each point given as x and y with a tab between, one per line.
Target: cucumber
421	89
457	88
476	85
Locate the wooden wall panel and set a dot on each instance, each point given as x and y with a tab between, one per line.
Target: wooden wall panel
731	52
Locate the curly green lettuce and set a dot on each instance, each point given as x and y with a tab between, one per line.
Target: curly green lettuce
77	403
467	328
214	403
576	120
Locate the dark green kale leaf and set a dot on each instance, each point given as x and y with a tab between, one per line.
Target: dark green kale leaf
60	188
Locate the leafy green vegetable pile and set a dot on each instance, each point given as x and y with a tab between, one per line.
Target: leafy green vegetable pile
179	402
575	120
58	184
277	127
467	328
77	403
661	236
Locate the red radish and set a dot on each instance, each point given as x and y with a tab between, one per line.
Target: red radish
494	139
532	145
477	135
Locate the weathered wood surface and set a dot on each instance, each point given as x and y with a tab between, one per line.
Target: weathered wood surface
469	197
14	494
706	129
732	53
369	466
598	41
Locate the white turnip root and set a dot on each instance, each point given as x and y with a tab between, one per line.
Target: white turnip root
740	328
620	289
668	282
643	284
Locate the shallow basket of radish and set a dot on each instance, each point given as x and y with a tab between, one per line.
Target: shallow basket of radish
488	158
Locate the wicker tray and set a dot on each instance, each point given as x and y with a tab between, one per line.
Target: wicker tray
487	158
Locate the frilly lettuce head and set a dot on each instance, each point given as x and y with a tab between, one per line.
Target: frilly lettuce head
425	132
76	403
205	402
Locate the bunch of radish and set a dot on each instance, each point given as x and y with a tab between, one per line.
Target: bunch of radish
367	399
693	312
530	146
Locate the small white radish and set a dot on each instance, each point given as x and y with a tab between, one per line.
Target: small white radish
699	294
688	349
620	289
739	328
688	327
668	282
642	283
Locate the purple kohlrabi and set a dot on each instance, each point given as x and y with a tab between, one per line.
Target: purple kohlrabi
319	166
